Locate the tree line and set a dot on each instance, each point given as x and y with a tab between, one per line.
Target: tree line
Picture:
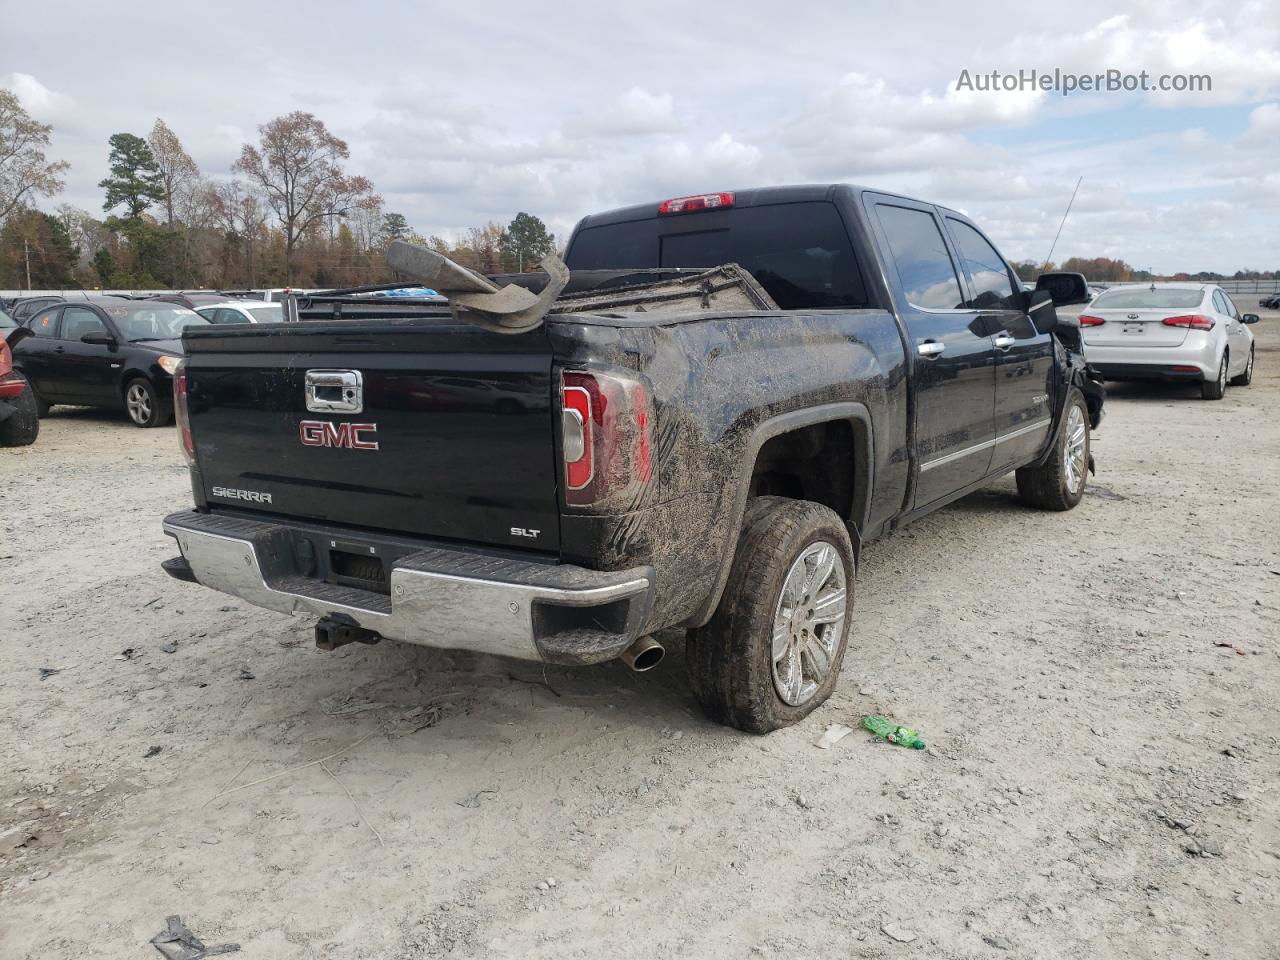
290	214
1106	270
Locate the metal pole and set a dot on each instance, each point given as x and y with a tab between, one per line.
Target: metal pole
1062	224
26	255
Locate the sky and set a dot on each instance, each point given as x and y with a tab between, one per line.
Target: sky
465	113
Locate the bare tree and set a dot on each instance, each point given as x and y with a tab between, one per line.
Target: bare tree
486	242
241	213
177	169
24	170
298	166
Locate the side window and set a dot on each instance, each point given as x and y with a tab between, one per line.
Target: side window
227	315
77	321
209	314
45	323
992	288
920	255
1230	305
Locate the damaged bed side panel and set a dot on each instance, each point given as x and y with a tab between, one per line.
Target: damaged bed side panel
810	404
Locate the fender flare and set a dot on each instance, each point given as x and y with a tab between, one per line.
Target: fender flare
857	414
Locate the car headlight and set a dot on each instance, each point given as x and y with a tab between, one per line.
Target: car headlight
169	364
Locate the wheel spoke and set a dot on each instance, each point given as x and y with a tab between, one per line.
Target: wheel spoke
830	607
824	563
781	634
818	657
795	675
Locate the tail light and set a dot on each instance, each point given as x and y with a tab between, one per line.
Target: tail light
702	201
10	384
1089	320
606	439
181	414
1196	321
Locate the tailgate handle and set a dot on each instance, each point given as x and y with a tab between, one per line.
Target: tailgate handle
335	391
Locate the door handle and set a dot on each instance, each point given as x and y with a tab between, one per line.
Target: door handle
930	349
1004	341
59	350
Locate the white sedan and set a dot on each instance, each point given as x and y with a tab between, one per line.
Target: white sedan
241	311
1169	331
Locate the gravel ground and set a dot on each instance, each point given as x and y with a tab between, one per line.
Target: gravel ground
1098	689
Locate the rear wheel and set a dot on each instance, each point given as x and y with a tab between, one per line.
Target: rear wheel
1246	378
144	406
773	650
23	426
1215	388
1058	483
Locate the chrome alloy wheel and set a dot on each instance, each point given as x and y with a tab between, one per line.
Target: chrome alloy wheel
808	623
1077	442
138	401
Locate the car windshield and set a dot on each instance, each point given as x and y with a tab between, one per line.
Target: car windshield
1138	298
270	313
153	321
7	322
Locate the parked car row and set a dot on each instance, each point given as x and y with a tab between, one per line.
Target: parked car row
112	352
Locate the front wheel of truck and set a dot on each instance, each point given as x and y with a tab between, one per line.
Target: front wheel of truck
773	649
1058	483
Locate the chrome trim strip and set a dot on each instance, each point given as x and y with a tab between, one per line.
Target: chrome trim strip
984	445
952	457
1021	431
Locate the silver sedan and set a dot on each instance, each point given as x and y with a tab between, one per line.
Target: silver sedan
1170	331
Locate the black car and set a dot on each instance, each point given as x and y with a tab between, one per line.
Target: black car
23	309
109	352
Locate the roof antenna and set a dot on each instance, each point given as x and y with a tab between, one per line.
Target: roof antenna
1062	224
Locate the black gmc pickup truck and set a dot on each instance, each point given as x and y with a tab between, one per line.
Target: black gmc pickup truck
640	459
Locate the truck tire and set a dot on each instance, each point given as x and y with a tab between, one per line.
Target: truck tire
1215	388
23	426
772	651
1246	378
144	406
1058	483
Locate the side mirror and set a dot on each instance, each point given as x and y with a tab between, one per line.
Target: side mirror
1042	310
99	339
1250	318
1065	288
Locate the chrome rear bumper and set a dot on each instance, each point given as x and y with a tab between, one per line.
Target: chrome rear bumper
439	596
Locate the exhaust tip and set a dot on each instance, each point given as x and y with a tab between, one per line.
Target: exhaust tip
643	655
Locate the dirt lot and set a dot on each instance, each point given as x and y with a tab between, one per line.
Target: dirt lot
1099	690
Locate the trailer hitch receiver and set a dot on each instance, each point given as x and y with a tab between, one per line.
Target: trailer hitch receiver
336	631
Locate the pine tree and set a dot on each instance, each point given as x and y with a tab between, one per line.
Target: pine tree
135	179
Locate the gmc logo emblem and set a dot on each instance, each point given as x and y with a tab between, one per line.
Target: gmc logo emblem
322	433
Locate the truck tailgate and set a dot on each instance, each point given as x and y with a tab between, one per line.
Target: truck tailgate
453	436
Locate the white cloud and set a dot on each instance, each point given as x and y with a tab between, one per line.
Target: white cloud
38	100
634	113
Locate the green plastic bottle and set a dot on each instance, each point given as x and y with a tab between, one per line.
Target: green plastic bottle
902	736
